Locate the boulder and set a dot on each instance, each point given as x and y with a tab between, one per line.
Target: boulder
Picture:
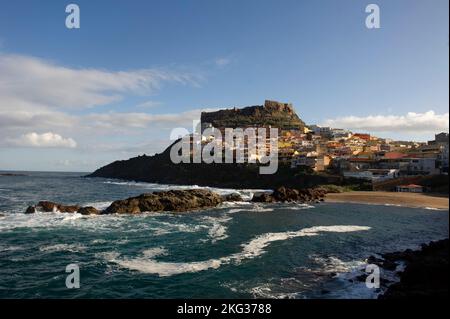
30	210
263	198
284	194
234	197
47	206
89	211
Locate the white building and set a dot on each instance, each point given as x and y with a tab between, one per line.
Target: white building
422	166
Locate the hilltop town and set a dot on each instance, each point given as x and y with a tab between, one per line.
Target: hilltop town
308	155
337	150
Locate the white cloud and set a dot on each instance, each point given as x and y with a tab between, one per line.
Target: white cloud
149	104
39	96
48	139
222	62
29	82
416	123
116	120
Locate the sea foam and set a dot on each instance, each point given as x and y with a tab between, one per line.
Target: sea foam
250	250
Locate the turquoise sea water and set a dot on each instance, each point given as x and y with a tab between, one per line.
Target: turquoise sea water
238	250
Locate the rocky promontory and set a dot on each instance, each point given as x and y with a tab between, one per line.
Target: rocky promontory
179	201
425	274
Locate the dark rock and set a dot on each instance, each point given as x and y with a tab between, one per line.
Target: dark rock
277	114
11	174
425	274
234	197
284	194
174	200
361	278
89	211
263	198
30	210
47	206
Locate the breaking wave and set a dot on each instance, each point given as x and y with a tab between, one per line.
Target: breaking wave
250	250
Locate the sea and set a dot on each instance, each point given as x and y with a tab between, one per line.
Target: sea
237	250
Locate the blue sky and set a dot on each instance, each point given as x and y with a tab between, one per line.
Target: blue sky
78	99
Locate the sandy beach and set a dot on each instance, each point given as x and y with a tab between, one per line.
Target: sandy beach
391	198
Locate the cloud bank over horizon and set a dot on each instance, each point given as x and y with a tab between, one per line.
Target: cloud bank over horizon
414	124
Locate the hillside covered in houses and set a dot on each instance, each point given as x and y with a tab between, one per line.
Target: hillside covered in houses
308	155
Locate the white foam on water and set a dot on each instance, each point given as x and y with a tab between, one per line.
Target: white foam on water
98	241
99	205
298	207
217	229
435	208
50	220
249	250
63	247
246	194
217	232
262	209
266	291
72	217
237	210
4	248
333	264
153	252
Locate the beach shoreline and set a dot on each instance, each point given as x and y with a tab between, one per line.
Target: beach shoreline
413	200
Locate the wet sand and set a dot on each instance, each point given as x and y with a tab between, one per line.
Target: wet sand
391	198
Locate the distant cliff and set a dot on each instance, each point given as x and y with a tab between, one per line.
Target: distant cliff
272	113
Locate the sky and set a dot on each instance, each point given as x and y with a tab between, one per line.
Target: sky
78	99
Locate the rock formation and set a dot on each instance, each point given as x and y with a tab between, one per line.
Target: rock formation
284	194
179	201
272	113
47	206
173	200
425	274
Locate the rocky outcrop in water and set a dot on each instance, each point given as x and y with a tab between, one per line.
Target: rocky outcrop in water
89	211
173	200
233	197
47	206
425	274
284	194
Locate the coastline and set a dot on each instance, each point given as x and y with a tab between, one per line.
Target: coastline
413	200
